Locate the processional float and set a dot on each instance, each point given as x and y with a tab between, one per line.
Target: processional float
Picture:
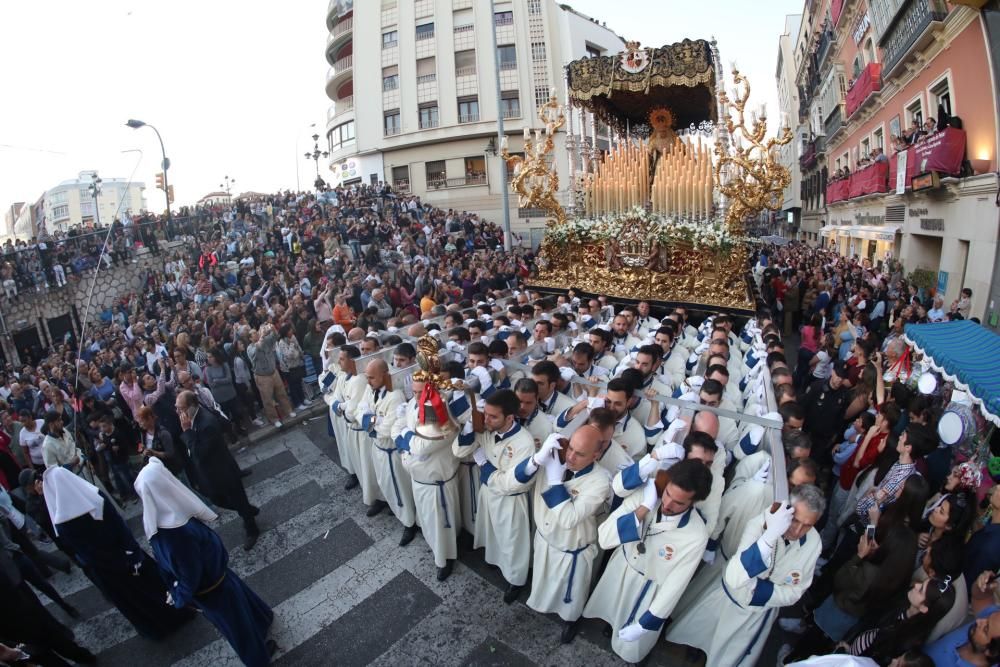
661	214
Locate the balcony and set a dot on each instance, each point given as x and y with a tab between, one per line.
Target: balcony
465	71
424	79
464	181
338	36
912	28
429	123
942	152
392	130
401	185
338	74
340	107
469	118
864	88
834	123
335	10
823	49
813	150
512	112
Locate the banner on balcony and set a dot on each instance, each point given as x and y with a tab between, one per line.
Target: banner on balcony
901	172
873	178
942	152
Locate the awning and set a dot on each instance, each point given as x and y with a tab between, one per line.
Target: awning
966	354
874	233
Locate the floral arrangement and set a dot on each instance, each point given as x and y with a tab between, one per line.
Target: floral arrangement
708	235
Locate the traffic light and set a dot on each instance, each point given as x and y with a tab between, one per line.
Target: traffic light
170	194
159	181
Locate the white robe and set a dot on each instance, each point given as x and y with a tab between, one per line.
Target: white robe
644	587
566	548
392	477
335	399
732	621
357	438
434	472
502	523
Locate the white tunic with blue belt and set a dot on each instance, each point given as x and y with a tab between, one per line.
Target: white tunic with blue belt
565	542
731	622
641	584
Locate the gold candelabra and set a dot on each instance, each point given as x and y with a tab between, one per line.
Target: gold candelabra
534	181
750	176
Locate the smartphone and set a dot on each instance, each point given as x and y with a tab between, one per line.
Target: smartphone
870	532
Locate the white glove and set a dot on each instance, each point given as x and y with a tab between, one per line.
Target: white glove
170	599
496	365
452	346
401	410
677	426
776	523
668	451
708	556
648	465
483	375
702	346
545	452
631	633
550	344
480	404
764	473
480	457
650	498
364	409
595	402
516	324
554	470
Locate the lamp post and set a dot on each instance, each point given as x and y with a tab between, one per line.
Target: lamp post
315	155
228	184
135	125
500	137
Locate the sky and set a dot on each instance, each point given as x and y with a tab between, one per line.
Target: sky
236	88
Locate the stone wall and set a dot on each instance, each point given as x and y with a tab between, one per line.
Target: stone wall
29	315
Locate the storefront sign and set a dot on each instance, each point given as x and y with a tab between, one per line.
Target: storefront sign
868	219
861	28
917	212
932	224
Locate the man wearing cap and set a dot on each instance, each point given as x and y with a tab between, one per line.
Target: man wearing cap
59	448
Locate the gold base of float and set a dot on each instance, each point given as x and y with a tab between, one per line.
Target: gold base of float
683	276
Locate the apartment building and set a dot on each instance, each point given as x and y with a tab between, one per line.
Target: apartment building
71	204
899	103
788	105
415	96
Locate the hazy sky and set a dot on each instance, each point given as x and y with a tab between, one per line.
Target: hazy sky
233	86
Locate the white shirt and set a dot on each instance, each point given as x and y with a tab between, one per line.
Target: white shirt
32	441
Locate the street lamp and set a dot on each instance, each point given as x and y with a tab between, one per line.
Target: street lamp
135	125
227	185
316	154
95	191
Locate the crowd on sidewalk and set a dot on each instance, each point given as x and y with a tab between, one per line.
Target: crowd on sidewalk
618	462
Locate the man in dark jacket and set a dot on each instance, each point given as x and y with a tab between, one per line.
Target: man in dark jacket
212	467
825	402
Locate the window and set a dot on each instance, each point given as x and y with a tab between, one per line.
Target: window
503	18
510	104
866	148
425	31
878	138
390	78
87	208
428	115
593	51
941	99
390	39
341	135
507	56
468	110
426	71
465	63
60	212
436	175
869	51
463	19
856	68
538	51
534	7
915	113
475	170
391	123
541	95
401	178
58	198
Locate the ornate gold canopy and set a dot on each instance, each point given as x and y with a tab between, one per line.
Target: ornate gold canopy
620	89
